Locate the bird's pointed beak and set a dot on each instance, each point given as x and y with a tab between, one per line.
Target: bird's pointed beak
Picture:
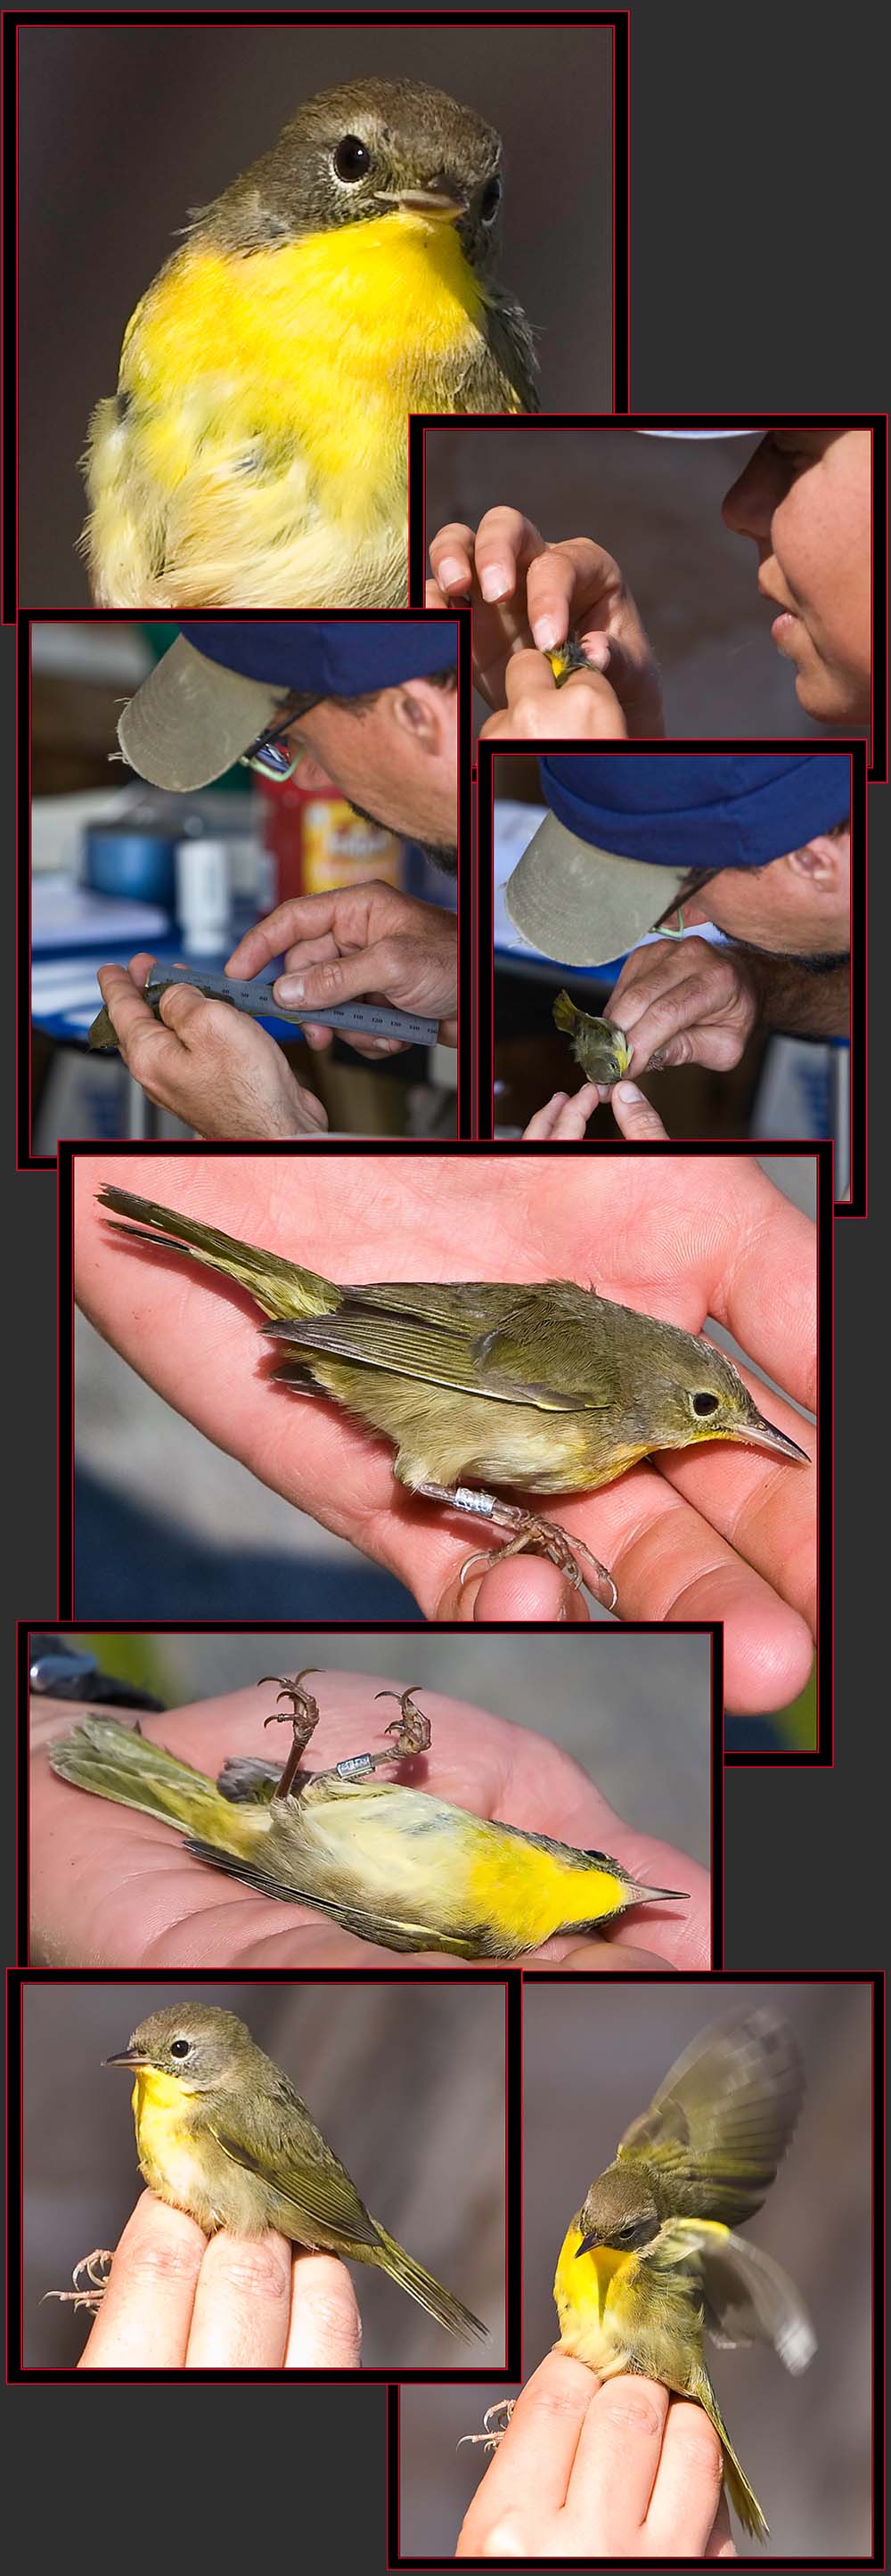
442	203
587	2245
126	2057
650	1895
764	1435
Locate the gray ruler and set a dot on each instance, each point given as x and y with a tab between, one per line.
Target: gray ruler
374	1019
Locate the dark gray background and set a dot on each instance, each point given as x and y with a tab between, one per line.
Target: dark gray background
759	160
123	130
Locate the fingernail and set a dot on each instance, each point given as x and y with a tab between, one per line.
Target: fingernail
628	1092
451	575
546	633
495	581
289	988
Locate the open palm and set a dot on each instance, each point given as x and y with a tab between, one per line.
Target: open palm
116	1888
719	1533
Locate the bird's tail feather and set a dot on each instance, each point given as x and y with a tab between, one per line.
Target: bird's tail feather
566	1016
279	1286
742	2496
115	1762
439	2303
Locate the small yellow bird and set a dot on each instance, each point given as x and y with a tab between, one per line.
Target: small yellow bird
651	2262
255	453
221	2133
599	1047
387	1863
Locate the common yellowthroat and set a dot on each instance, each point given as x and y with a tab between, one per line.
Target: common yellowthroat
601	1049
255	453
386	1862
651	2262
547	1387
221	2133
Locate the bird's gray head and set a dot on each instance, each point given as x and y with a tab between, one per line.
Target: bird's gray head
196	2042
357	153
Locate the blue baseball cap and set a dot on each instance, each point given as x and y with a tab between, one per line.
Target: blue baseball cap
221	686
625	830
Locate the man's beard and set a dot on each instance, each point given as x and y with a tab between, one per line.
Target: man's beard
438	852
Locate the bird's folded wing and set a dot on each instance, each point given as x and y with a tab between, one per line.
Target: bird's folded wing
748	2298
719	2124
295	2163
436	1335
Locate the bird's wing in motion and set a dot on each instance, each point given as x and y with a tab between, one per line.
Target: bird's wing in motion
721	2121
290	2156
448	1337
748	2298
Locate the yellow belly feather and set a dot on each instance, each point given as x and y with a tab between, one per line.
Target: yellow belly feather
263	458
589	2290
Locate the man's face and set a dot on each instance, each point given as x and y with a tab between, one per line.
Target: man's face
395	762
798	906
805	498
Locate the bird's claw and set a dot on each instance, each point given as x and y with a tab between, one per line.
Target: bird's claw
97	2267
493	2431
545	1538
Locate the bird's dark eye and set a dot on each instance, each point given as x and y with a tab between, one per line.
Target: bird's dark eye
350	159
180	2047
703	1404
490	200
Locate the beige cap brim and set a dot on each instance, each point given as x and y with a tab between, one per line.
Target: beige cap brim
582	905
192	718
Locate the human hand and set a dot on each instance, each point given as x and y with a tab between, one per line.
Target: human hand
585	708
524	591
367	940
593	2469
111	1887
177	2300
208	1064
563	1119
683	1001
720	1532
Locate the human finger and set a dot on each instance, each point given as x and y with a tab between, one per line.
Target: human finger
564	1119
504	547
143	2322
526	2482
325	2330
687	2487
518	1587
242	2304
302	917
635	1115
615	2465
569	581
451	560
130	1014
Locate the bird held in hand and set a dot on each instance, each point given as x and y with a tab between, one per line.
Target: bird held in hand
651	2262
545	1386
601	1049
255	454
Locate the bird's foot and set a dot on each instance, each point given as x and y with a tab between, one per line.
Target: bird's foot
96	2267
411	1729
302	1717
543	1538
495	2423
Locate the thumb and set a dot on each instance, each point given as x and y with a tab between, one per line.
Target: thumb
333	980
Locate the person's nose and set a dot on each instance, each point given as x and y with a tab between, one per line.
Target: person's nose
749	505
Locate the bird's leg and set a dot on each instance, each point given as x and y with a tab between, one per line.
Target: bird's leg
97	2267
545	1538
412	1732
303	1718
495	2423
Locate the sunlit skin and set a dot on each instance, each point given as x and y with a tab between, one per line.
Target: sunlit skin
805	500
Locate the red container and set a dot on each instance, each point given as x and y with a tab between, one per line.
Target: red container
316	840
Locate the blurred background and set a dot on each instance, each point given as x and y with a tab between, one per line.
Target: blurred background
118	867
123	99
592	2060
655	504
633	1711
782	1086
397	2078
166	1524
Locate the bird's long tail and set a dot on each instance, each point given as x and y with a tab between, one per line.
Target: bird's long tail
411	2276
114	1762
280	1287
566	1016
742	2496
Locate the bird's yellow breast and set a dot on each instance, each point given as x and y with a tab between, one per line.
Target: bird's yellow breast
591	2291
168	2148
527	1894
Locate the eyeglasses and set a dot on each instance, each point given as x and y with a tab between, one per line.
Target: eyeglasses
270	756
